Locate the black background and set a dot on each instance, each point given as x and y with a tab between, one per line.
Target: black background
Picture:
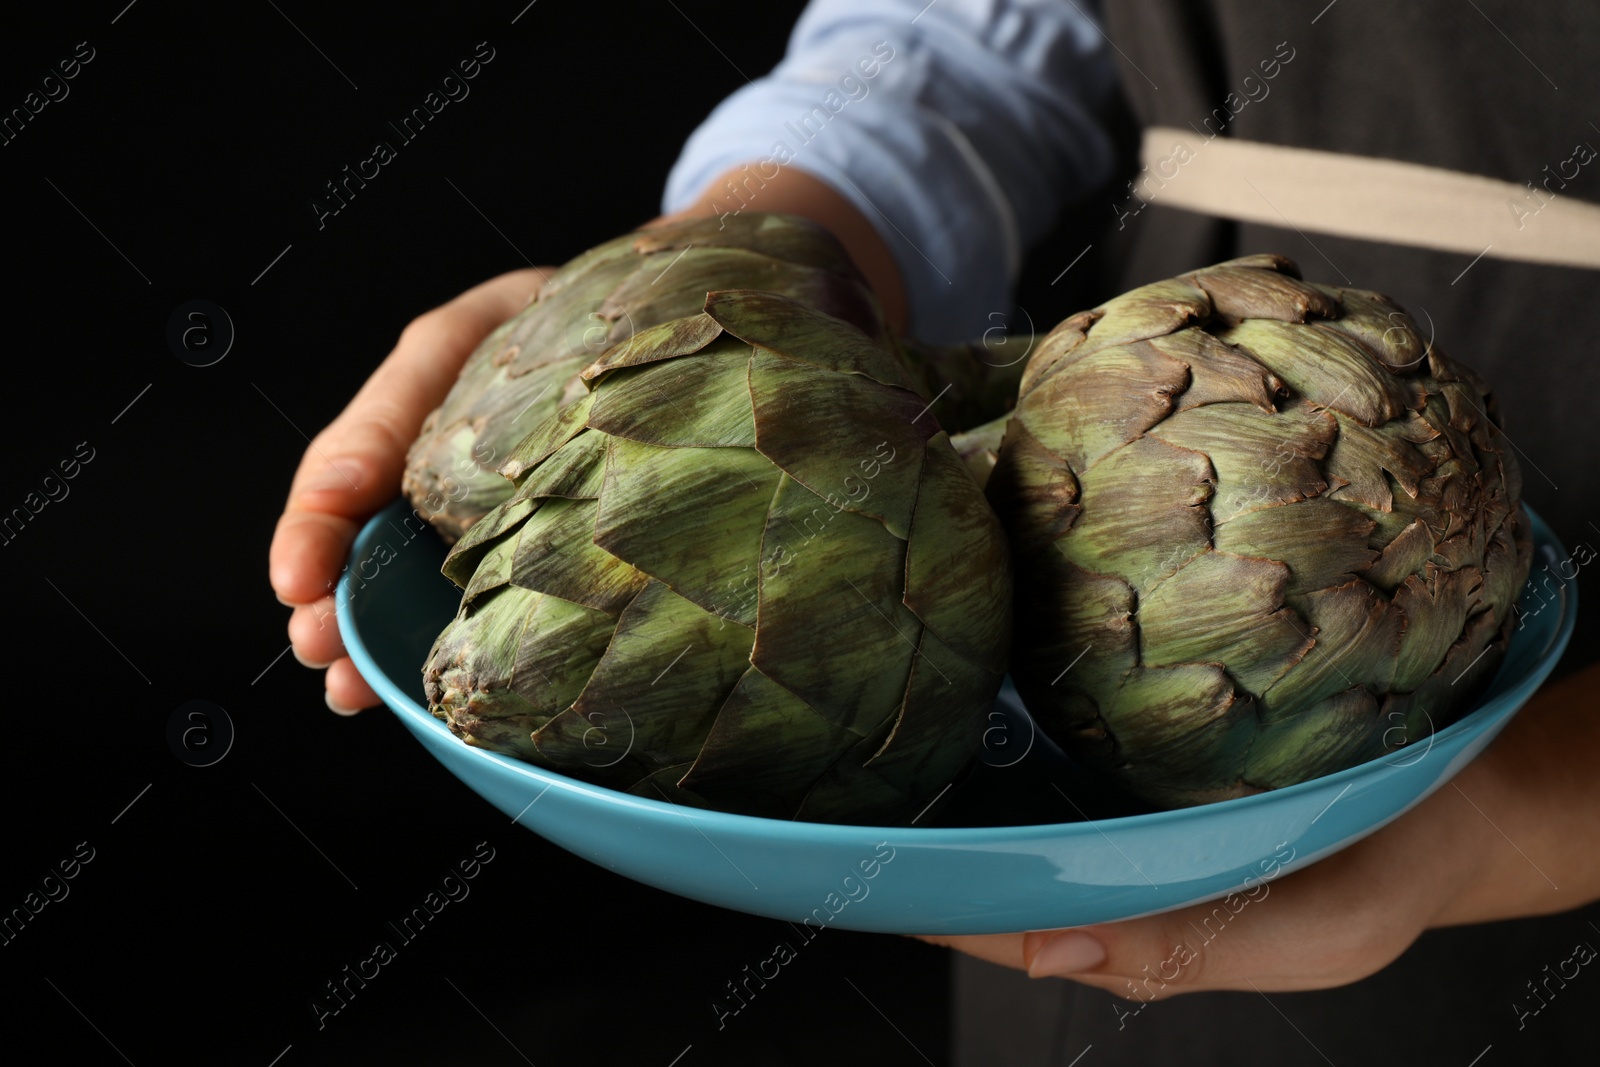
180	166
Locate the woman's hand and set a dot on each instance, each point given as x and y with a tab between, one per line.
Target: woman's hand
353	468
1511	835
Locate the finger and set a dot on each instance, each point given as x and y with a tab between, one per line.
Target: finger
314	633
308	550
353	467
347	691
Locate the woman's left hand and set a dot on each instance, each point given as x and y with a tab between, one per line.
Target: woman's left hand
1511	835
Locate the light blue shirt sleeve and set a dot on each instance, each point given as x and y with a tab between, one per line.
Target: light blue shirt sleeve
960	128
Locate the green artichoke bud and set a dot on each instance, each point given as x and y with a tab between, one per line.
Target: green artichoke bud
745	571
528	367
1268	532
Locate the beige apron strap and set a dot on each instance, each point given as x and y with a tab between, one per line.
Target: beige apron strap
1373	199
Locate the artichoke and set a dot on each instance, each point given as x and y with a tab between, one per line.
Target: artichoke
528	367
1268	532
746	570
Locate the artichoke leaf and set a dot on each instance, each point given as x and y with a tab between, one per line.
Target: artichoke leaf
651	699
556	554
1219	373
1472	660
1342	730
575	471
1228	609
765	749
1325	366
786	237
958	574
509	663
468	552
1435	607
1245	291
541	442
832	627
1036	486
667	340
1361	457
1143	509
1261	459
1358	634
686	516
1056	349
702	402
875	437
1384	327
1322	541
663	785
807	335
557	650
1153	310
1402	556
917	758
1506	564
465	678
673	284
1182	733
492	571
1104	400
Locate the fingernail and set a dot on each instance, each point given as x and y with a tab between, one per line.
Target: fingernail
336	708
308	663
346	473
1067	953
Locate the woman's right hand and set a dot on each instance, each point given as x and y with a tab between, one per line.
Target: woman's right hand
353	468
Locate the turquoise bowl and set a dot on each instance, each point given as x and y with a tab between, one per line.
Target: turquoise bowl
932	878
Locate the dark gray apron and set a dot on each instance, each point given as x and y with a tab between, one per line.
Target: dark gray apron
1499	89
